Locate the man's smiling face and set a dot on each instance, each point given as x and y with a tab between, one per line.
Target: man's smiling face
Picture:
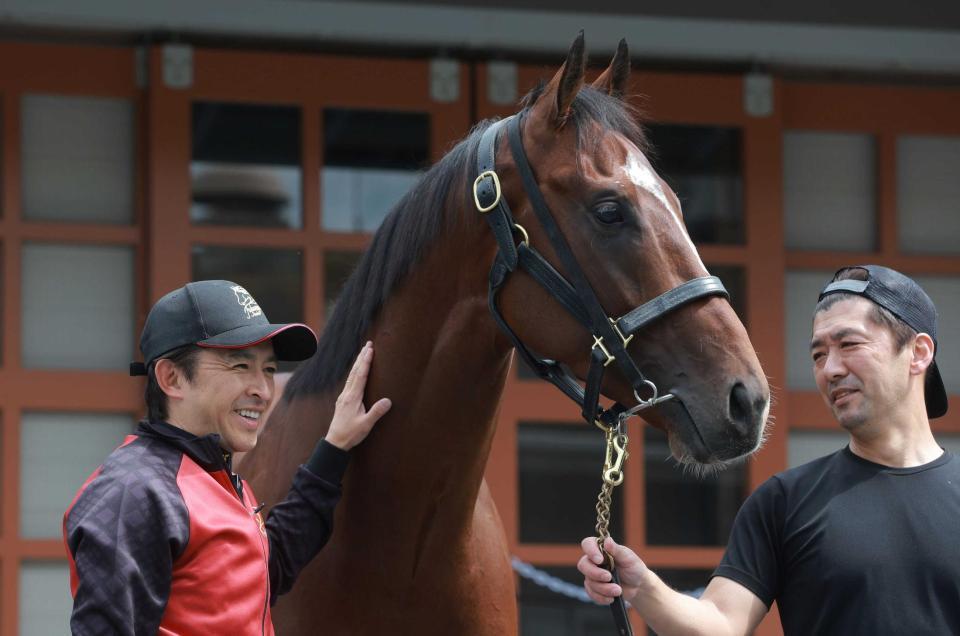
860	375
230	391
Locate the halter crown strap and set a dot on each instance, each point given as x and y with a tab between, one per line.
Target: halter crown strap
488	197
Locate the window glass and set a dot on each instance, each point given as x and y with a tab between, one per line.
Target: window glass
559	482
544	612
945	293
802	290
928	176
734	278
830	191
704	166
273	276
77	307
58	451
805	446
44	595
683	509
337	267
245	167
370	160
77	159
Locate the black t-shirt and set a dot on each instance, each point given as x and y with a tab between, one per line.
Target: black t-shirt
847	546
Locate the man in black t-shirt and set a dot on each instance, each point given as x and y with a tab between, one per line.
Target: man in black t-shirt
857	542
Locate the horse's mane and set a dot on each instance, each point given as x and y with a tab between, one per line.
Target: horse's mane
412	226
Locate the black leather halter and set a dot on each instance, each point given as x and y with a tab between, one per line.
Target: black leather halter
611	336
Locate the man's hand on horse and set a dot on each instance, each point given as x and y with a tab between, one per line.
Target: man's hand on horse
351	421
597	579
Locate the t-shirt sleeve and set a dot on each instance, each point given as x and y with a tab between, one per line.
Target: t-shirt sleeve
753	556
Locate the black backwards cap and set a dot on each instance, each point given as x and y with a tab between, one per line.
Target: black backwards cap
220	315
905	299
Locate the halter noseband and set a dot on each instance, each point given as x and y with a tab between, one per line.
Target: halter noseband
610	336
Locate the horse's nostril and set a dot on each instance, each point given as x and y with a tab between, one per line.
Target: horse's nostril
740	412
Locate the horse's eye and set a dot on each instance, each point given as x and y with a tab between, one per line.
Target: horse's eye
608	212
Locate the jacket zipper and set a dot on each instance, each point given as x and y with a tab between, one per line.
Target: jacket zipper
235	481
266	565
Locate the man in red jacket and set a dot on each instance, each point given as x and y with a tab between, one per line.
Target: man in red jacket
164	537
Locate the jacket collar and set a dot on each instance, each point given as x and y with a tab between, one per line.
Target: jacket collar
205	450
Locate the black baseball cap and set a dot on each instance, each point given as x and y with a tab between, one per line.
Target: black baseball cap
221	315
905	299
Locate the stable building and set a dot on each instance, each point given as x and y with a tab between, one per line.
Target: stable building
264	141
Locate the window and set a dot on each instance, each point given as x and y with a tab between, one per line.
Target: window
77	308
546	613
77	160
58	452
683	509
337	267
370	160
928	182
829	191
246	165
559	483
703	166
273	276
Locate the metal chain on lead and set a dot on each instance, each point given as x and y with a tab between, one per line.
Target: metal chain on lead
603	519
616	455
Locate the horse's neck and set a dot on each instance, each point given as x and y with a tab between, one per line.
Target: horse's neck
441	360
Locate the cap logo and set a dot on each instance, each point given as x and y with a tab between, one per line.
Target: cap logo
250	306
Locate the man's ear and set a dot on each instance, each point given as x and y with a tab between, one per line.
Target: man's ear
170	378
923	350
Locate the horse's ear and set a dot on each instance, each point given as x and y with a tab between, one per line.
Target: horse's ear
613	81
554	103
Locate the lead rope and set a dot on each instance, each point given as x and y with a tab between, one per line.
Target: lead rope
616	456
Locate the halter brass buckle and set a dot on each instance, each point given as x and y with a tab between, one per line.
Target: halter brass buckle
496	186
616	327
598	342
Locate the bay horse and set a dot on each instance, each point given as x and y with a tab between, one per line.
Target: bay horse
418	546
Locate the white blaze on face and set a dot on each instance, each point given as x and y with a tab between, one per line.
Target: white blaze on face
644	178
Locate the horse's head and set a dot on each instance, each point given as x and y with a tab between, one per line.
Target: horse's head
624	227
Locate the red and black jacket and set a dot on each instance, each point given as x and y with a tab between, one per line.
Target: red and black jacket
164	538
